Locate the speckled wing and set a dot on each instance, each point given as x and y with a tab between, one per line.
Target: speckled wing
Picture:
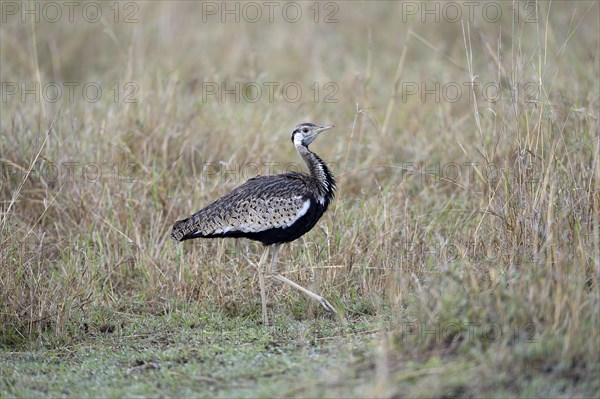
260	204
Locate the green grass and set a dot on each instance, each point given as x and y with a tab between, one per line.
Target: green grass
187	352
208	353
462	248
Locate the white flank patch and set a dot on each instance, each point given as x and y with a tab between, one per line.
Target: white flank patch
301	212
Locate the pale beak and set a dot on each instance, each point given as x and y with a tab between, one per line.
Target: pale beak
323	128
316	132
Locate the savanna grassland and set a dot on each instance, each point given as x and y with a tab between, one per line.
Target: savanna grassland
462	249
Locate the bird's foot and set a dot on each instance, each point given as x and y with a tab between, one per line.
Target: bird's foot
325	303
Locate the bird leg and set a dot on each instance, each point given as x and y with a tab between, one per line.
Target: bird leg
261	283
274	257
324	302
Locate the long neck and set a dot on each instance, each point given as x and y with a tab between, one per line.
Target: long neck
322	176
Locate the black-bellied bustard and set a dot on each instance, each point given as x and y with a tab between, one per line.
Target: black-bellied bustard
271	209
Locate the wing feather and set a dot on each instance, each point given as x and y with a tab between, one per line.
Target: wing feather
260	204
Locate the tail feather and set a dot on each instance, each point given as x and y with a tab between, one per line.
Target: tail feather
180	230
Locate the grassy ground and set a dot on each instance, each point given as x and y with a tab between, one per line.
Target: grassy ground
462	249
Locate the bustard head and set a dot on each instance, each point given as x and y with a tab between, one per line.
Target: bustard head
305	133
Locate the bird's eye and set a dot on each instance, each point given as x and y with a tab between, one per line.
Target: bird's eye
305	130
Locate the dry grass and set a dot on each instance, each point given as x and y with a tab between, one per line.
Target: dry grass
449	213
